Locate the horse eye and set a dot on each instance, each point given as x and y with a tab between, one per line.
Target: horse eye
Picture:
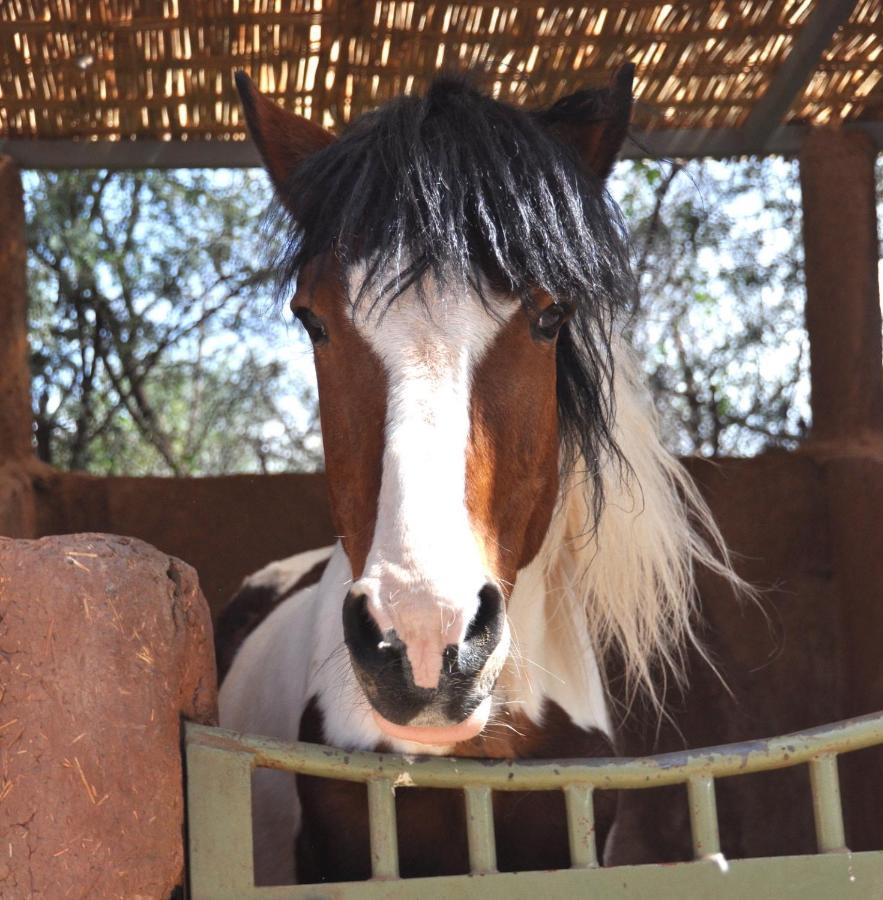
313	325
550	321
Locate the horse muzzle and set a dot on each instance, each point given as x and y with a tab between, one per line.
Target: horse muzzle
451	706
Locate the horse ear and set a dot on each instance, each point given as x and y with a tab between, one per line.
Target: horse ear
594	121
283	139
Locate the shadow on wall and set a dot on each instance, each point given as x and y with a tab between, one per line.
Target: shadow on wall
225	527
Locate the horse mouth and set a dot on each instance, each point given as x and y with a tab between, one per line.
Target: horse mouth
438	735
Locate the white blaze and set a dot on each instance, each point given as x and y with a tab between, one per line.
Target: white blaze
425	567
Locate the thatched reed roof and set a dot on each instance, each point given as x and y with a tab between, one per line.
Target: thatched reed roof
162	69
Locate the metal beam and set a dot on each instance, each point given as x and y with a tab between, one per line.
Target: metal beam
147	154
806	52
220	154
707	143
727	143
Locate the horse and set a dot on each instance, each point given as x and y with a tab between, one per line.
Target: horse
508	518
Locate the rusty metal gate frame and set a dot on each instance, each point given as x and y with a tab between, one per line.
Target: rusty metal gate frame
220	765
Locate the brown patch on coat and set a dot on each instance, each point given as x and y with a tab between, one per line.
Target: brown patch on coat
352	406
247	608
531	828
512	460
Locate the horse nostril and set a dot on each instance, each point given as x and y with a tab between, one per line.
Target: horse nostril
360	629
487	624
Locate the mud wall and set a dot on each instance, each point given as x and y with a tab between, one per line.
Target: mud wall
224	527
105	644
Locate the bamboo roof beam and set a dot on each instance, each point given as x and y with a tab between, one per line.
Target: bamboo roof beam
790	80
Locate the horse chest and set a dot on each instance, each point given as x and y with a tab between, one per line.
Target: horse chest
333	844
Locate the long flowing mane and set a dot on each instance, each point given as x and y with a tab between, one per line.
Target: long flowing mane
634	575
464	188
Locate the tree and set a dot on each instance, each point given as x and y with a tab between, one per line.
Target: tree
154	345
720	327
156	348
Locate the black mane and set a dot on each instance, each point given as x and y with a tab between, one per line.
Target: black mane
460	186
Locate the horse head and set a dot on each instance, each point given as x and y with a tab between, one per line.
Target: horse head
457	265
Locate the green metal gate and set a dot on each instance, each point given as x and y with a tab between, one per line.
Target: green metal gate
220	765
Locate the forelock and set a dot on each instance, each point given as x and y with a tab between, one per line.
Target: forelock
464	187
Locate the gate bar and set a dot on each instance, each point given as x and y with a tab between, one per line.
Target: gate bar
219	819
703	816
511	775
581	826
480	830
383	831
826	806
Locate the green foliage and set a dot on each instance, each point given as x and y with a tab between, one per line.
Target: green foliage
720	328
156	350
154	345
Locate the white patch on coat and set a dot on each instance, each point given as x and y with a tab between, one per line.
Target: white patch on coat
282	575
425	567
552	657
297	652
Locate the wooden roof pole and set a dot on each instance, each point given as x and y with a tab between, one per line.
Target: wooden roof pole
16	493
66	153
843	321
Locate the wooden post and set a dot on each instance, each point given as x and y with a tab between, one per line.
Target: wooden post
843	320
16	494
842	296
15	404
